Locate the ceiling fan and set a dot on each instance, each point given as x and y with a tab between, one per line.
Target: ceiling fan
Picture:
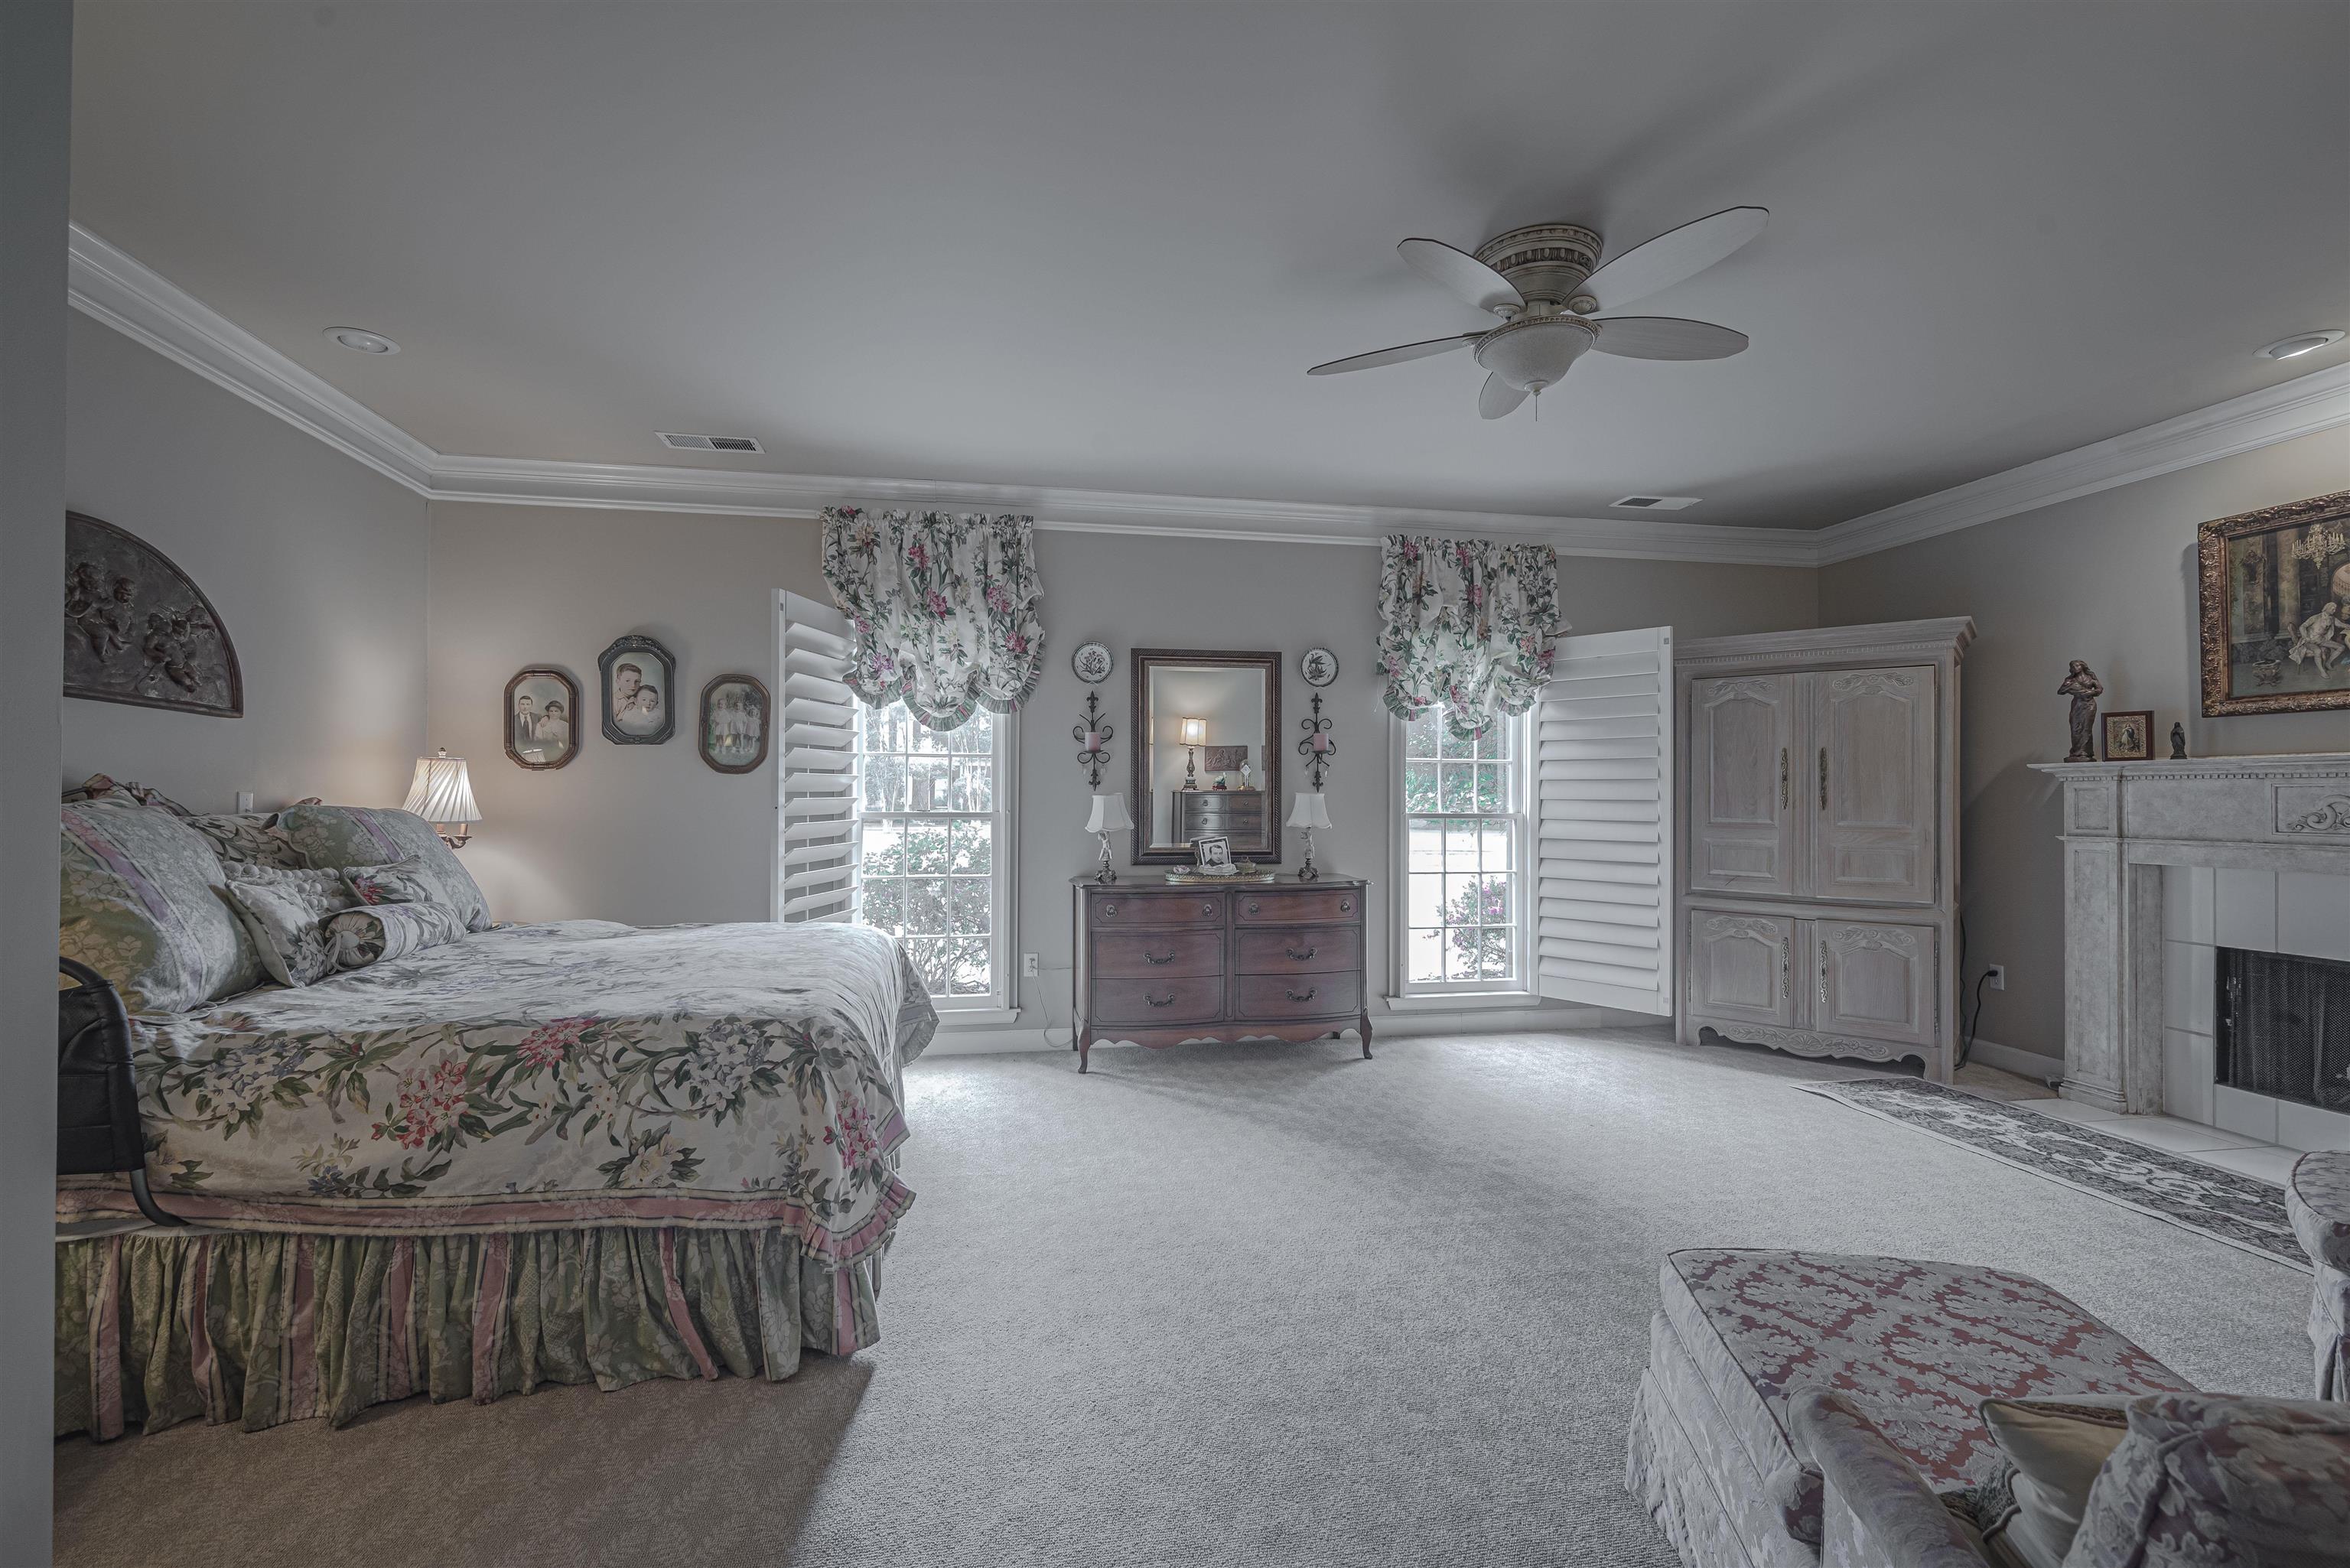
1545	283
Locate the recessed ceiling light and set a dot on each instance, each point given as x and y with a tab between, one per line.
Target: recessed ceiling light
2297	345
360	340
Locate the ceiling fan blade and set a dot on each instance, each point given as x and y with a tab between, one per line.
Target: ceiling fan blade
1666	337
1673	256
1460	275
1498	399
1396	355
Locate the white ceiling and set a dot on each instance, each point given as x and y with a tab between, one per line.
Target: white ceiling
1096	246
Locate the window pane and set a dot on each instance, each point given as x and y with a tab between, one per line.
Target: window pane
1461	846
885	904
1424	847
1494	955
1419	787
1450	745
967	901
885	849
1491	783
1493	841
926	905
1497	741
970	967
1423	951
1419	735
926	847
1499	904
1460	788
1426	900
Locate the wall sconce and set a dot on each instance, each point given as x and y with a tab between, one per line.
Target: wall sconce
1195	735
1317	748
1108	816
442	794
1093	739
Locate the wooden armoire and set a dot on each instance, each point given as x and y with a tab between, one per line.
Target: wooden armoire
1818	860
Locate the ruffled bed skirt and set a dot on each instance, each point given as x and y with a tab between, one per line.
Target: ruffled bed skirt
155	1327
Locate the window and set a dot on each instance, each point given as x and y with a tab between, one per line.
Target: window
936	856
1463	851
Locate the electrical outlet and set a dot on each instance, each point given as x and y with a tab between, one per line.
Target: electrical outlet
243	800
1996	976
1028	966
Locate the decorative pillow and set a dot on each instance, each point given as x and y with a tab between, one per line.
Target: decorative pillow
2215	1480
248	838
286	913
401	882
2054	1449
98	786
336	837
138	902
379	932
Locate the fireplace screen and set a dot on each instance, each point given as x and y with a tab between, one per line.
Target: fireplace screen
2285	1027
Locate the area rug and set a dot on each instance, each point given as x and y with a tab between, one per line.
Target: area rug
2225	1205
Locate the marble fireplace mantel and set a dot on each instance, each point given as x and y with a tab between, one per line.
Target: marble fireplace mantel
2126	820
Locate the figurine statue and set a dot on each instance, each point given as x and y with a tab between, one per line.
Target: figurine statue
2177	742
2082	685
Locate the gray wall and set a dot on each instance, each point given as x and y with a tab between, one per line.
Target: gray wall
36	66
316	563
651	835
2109	578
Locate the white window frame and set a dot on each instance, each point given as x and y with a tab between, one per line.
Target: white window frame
999	1005
1518	990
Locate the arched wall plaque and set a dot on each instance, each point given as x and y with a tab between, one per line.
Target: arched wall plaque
139	630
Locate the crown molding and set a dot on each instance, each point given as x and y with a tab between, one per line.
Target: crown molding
2305	405
110	285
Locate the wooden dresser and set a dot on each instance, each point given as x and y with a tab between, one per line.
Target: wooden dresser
1236	812
1161	962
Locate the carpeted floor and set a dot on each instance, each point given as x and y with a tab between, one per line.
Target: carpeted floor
1269	1305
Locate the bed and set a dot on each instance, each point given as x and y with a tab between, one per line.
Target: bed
565	1152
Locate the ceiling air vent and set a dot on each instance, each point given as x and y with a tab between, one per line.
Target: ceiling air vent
1656	503
708	442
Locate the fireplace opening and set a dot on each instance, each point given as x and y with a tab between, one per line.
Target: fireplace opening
2285	1027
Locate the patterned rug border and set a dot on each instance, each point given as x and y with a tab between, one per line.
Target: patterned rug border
2281	1247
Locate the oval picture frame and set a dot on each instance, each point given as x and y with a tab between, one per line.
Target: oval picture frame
526	746
627	722
707	740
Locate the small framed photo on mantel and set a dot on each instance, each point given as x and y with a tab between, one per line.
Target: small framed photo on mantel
2128	737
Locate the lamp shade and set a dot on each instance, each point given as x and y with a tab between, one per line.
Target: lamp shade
442	791
1109	814
1195	731
1306	810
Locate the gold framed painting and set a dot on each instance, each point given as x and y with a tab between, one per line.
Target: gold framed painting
2275	598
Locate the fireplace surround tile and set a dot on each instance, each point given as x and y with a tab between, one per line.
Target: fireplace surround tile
2312	915
2253	1116
2307	1126
2187	1076
2186	987
2245	909
2187	903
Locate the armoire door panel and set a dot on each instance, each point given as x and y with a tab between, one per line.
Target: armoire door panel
1873	783
1741	966
1874	980
1742	824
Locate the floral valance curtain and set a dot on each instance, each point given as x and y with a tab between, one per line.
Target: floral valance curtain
945	610
1467	623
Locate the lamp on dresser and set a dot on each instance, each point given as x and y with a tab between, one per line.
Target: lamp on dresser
1308	812
1108	816
442	794
1195	735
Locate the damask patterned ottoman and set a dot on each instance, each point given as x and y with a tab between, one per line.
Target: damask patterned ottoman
1915	1346
2317	1199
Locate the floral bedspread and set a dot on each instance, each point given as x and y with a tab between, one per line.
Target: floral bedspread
580	1073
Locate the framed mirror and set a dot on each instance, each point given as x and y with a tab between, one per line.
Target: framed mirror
1206	754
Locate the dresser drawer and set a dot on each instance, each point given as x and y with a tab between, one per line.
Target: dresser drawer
1174	999
1112	907
1274	996
1297	906
1145	953
1316	949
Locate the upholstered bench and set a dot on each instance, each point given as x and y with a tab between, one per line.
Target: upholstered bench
2317	1198
1914	1346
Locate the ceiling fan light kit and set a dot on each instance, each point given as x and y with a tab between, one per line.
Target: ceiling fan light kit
1545	282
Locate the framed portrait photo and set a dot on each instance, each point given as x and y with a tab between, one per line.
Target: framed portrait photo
638	700
2274	591
1212	852
542	719
2128	737
732	734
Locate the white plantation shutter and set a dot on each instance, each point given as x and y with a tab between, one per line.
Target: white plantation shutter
1603	821
817	844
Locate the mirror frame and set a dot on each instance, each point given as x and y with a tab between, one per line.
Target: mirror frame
1143	660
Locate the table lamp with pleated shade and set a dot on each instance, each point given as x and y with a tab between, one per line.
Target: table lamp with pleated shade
1108	816
1308	812
442	794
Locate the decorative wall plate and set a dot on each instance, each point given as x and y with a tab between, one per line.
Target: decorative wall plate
1319	666
1093	663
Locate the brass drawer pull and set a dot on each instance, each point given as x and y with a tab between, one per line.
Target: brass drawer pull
1300	956
1252	906
1346	905
1166	1001
1108	910
1295	997
1154	958
1210	908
